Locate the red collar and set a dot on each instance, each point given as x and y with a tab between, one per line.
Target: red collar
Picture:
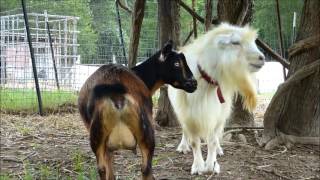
213	82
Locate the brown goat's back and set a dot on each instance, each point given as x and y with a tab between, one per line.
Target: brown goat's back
109	75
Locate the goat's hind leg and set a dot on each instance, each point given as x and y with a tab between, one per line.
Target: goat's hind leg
147	150
144	134
219	148
98	138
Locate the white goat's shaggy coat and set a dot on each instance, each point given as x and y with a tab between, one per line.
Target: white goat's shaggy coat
229	55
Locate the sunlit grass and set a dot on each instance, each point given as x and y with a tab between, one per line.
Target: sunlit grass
26	99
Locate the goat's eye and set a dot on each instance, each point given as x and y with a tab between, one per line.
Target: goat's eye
235	43
177	64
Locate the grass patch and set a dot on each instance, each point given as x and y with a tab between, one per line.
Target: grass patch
5	177
267	95
14	100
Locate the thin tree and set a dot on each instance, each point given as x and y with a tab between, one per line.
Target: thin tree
169	30
293	115
137	18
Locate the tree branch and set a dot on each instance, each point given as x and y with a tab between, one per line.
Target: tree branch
304	44
272	53
190	11
188	37
124	6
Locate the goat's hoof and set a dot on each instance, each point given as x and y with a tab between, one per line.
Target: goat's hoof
198	168
183	148
212	168
220	151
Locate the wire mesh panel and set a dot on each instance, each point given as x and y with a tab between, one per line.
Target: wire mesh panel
16	70
86	34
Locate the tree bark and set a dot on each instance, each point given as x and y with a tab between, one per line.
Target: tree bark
235	12
239	13
169	30
208	18
137	18
293	116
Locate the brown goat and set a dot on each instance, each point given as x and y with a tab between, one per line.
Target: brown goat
116	107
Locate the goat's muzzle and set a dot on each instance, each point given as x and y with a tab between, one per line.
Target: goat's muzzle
191	85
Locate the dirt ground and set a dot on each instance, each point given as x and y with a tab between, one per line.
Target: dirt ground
57	147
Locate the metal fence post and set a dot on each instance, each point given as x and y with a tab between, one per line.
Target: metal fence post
51	49
120	33
34	68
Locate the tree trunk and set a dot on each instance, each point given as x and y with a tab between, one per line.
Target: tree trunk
293	115
137	18
169	29
208	18
235	12
239	13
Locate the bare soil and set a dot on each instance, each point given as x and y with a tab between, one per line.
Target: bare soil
57	147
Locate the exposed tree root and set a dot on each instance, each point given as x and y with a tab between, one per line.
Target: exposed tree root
287	140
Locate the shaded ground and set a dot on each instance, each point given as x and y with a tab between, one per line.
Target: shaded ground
57	147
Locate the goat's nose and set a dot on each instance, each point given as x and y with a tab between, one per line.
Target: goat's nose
261	58
193	82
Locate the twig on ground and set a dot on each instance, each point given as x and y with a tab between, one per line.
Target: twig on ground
29	155
276	154
244	127
275	173
237	144
263	166
231	131
69	171
12	159
210	177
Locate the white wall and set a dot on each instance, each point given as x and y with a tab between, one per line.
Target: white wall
269	77
80	74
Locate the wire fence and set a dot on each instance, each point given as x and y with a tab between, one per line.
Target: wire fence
72	38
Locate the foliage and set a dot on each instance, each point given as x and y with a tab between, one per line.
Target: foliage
265	19
99	36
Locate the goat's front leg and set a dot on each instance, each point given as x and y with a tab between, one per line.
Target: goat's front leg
212	165
184	145
98	138
198	163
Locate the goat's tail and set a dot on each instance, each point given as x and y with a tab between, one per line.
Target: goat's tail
110	96
115	92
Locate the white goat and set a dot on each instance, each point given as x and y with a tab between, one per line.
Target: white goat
222	62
